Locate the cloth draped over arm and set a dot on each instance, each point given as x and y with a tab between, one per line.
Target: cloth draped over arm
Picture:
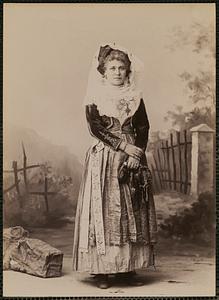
141	124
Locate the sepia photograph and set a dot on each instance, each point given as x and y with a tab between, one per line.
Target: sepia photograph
109	145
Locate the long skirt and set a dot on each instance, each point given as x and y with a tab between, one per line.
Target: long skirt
115	226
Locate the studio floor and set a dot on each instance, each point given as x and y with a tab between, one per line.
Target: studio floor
174	276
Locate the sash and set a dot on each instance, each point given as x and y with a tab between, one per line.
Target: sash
92	192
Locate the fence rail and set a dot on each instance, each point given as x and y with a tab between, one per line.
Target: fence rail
15	170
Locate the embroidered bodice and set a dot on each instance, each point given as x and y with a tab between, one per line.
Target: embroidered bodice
104	127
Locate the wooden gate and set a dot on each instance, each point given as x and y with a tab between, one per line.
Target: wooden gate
171	163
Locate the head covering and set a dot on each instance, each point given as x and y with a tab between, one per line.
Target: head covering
108	52
114	101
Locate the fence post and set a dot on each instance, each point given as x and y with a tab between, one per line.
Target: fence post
180	160
46	194
16	181
202	174
168	165
173	160
186	163
25	168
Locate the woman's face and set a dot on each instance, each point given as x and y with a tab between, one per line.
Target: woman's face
115	72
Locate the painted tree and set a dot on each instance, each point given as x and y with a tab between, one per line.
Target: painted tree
199	86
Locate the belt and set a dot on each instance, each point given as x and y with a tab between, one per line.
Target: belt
123	131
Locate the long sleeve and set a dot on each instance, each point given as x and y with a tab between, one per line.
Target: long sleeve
98	129
141	125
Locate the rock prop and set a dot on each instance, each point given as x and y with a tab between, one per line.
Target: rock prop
32	256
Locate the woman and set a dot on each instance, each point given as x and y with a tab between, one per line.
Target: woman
115	227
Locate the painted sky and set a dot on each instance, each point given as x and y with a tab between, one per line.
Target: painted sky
48	50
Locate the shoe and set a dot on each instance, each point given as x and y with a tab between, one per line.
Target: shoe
129	278
135	282
102	281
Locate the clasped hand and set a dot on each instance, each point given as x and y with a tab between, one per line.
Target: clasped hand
131	150
134	153
133	163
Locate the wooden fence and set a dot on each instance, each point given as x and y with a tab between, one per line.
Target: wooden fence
16	171
171	163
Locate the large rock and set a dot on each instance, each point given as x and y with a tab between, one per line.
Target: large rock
32	256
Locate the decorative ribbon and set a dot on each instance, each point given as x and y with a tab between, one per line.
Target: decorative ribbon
97	202
85	213
92	192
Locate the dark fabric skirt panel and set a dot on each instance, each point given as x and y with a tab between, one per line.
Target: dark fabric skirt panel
128	217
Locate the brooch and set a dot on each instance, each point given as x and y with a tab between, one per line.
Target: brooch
124	105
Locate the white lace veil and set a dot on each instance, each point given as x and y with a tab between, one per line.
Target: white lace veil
106	96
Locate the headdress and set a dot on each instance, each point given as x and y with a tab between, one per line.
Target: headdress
108	52
113	100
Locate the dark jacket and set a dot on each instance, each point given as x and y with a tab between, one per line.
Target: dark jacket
103	127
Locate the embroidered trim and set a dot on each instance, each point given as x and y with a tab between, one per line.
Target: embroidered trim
110	139
97	203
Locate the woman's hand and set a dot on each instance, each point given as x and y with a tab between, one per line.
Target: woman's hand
132	163
131	150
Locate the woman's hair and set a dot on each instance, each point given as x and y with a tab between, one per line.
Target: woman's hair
107	54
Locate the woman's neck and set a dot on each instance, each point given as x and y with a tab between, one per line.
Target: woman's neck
116	87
